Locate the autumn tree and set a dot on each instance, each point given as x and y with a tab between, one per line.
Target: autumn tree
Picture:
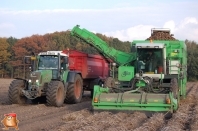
4	56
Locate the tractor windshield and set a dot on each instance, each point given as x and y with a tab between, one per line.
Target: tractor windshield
149	60
48	62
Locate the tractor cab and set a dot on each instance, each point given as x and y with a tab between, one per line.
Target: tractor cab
51	60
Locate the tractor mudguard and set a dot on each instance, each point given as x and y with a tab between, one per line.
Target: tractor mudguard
25	81
71	76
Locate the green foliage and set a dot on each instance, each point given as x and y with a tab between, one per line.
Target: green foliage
192	60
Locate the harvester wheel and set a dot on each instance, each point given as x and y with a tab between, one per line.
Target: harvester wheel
55	94
15	92
109	82
75	91
174	87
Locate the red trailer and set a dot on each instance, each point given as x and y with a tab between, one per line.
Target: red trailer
94	69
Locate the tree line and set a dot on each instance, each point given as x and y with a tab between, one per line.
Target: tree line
13	50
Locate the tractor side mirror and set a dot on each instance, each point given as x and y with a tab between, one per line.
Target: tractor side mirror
27	60
65	60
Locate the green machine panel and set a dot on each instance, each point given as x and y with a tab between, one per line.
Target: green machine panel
125	73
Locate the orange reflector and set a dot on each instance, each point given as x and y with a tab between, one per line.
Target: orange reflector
95	100
168	101
151	41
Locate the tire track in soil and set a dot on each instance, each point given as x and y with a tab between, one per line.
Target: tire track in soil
33	111
190	87
103	121
41	116
54	119
154	123
30	112
158	119
183	117
191	115
194	122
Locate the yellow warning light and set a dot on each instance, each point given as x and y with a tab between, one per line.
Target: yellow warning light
151	41
168	101
95	100
33	58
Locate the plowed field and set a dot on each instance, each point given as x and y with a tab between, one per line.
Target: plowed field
78	117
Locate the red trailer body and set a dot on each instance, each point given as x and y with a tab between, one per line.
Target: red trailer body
91	67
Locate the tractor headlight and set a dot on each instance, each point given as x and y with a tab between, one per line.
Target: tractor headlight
37	81
29	81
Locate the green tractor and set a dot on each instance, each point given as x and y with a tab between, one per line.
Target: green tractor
49	78
152	77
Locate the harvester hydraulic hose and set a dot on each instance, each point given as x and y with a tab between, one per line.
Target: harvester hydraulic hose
132	91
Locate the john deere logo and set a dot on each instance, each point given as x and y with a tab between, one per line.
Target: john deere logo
125	73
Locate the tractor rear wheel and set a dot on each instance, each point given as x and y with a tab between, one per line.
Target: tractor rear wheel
109	82
15	95
55	94
75	91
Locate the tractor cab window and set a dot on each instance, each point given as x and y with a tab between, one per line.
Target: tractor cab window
48	62
149	60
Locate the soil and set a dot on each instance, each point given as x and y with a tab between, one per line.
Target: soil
78	117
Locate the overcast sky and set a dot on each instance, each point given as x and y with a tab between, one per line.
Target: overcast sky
126	20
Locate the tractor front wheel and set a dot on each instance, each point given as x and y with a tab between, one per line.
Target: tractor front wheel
15	92
55	94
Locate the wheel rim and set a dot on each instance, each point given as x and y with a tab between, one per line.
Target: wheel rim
77	89
59	95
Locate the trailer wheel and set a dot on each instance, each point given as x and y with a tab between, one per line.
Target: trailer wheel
55	94
75	90
174	87
15	92
109	82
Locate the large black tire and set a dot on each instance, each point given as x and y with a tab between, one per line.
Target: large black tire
109	82
75	91
174	87
15	95
55	94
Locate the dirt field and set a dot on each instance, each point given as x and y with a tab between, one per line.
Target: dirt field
78	117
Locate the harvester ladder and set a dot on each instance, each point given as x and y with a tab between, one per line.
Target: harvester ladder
175	48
